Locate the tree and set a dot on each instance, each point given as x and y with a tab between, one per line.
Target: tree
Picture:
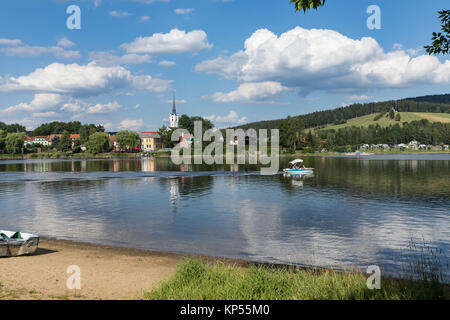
2	141
66	143
391	114
55	141
186	122
290	132
166	137
15	142
307	4
98	143
398	117
127	140
441	40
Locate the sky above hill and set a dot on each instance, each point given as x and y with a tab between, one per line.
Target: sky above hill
231	61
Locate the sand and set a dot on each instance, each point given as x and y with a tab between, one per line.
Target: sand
106	272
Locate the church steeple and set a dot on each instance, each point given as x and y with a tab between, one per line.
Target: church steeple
174	108
173	116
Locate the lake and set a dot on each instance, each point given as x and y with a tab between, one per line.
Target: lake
353	211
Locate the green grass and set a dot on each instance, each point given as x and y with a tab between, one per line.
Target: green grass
196	279
384	121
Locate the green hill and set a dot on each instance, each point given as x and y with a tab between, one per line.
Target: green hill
385	121
433	108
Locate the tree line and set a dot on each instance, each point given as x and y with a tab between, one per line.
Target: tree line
431	133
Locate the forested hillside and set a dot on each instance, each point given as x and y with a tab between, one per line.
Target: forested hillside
428	104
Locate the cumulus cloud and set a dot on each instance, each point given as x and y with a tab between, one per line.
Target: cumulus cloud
49	104
131	124
104	108
108	59
318	59
184	10
166	63
10	42
359	97
35	51
64	42
40	102
81	80
232	117
254	91
114	13
176	41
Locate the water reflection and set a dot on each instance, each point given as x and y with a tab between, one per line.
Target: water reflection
350	211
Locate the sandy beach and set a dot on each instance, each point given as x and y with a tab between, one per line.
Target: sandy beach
106	272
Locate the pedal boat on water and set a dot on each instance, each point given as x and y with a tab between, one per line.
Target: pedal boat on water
296	170
13	243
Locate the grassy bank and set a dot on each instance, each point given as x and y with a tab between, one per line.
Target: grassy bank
196	279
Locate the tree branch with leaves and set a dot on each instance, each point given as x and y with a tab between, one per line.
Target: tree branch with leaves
441	40
307	4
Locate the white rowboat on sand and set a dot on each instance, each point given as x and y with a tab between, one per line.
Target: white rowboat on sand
14	243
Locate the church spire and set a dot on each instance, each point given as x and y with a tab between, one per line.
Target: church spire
174	108
173	116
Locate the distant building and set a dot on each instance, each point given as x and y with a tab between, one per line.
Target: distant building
150	141
38	140
173	116
112	139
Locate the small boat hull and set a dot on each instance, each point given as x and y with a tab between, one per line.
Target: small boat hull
9	247
299	171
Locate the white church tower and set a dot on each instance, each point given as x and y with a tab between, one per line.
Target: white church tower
173	116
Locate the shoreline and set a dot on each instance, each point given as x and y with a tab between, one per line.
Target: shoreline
107	271
134	156
110	272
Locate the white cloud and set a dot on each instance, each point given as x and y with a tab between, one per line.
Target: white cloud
10	42
176	41
131	124
64	42
35	51
180	101
14	47
144	18
106	59
232	117
319	59
184	10
81	80
46	105
256	91
104	108
359	98
114	13
166	63
40	102
49	114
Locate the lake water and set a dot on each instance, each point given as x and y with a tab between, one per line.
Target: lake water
352	211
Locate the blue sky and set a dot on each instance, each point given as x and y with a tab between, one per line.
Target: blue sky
230	61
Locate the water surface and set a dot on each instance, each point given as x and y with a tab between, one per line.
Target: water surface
359	211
